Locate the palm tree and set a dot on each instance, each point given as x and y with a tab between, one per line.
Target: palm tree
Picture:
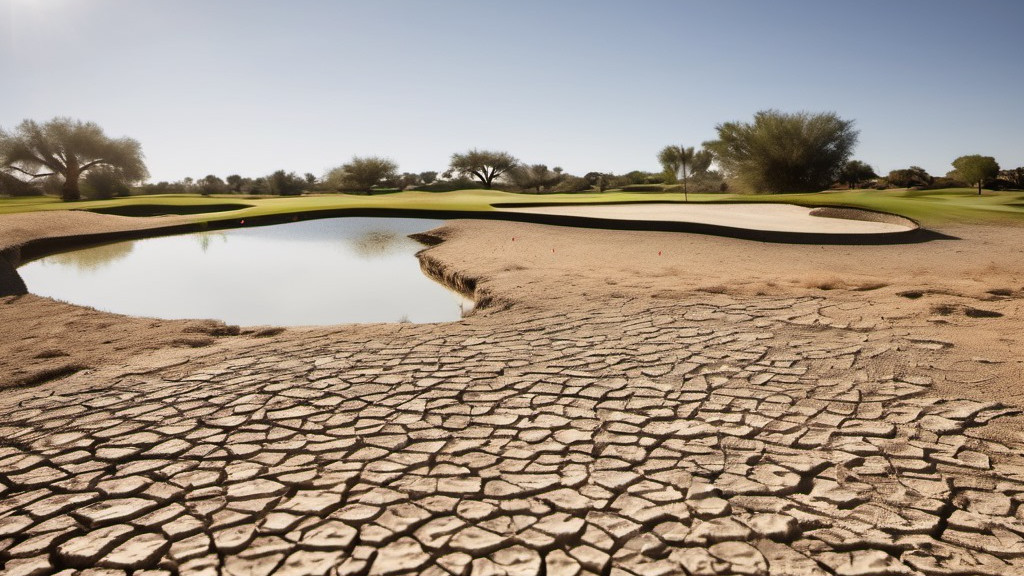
683	162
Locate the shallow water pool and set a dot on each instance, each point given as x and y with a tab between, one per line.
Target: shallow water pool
329	271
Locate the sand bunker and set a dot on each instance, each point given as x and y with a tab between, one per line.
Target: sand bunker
765	217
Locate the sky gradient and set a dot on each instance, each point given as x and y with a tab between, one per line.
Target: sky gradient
253	86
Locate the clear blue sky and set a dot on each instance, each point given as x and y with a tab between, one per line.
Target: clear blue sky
253	86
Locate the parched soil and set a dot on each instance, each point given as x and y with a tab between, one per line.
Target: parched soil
622	403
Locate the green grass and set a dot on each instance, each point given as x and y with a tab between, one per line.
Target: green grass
929	207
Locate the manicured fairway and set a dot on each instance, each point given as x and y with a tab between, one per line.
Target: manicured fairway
925	206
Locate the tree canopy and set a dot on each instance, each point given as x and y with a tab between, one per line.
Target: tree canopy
363	173
536	177
69	149
976	169
285	183
908	177
1015	176
855	173
782	152
484	165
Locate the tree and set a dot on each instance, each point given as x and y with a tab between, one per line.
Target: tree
362	173
536	177
856	172
484	165
598	180
682	161
428	177
211	184
285	183
909	177
1014	176
780	152
976	169
69	149
235	182
407	180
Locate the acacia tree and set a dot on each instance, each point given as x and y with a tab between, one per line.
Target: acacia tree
976	169
782	152
683	162
484	165
69	149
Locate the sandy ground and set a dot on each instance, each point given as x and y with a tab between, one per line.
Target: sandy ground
769	217
621	402
966	291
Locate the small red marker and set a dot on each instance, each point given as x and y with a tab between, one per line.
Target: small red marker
659	252
513	238
242	222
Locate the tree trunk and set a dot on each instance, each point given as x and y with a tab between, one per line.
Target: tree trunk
70	192
979	187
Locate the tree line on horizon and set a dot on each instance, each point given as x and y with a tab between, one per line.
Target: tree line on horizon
776	153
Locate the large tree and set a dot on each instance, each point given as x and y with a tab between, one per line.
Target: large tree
782	152
69	149
976	169
683	162
362	173
484	165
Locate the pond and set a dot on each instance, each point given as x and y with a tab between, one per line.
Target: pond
313	272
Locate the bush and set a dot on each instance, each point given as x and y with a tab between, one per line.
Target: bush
780	152
645	188
915	176
941	182
449	185
11	186
710	182
104	183
535	177
572	185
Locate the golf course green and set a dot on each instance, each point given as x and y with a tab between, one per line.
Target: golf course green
925	206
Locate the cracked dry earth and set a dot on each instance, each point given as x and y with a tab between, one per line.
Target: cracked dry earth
711	435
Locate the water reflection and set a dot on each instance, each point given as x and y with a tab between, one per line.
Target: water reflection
374	243
95	258
311	272
207	238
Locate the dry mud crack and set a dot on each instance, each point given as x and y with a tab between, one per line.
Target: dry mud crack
755	435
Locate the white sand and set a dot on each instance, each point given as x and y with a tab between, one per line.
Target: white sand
768	217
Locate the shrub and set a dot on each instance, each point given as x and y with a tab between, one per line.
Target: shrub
572	185
645	188
780	152
915	176
104	183
11	186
